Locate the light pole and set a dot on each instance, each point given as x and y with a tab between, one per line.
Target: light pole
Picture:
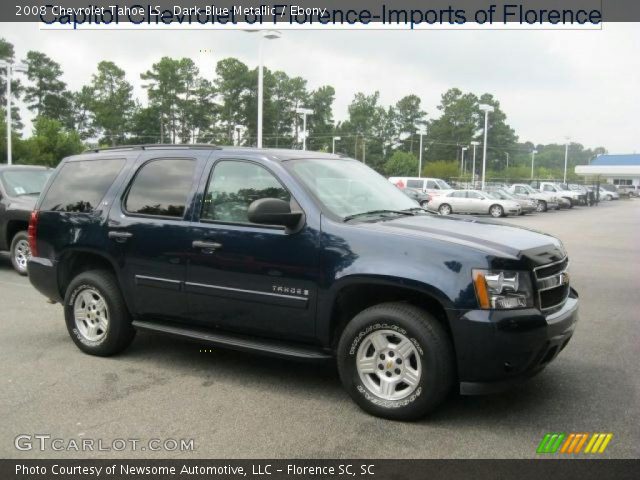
333	144
304	112
507	154
421	132
238	128
566	156
486	109
464	149
364	150
473	165
9	69
533	155
269	35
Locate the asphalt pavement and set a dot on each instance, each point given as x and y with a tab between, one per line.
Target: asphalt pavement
235	405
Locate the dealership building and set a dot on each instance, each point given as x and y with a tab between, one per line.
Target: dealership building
623	170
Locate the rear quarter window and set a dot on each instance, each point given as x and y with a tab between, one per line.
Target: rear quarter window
80	186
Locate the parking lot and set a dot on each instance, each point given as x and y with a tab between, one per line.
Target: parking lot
238	405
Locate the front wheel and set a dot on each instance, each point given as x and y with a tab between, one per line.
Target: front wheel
496	211
396	361
20	252
95	313
444	209
542	206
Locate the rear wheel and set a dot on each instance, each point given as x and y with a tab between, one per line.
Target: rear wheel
396	361
542	206
445	209
95	313
496	211
20	252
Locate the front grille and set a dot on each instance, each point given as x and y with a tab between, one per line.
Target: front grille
552	282
552	268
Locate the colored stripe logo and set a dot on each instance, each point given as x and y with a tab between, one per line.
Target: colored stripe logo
574	443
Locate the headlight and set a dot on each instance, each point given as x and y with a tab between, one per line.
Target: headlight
503	289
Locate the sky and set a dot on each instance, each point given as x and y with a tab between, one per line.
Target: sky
551	84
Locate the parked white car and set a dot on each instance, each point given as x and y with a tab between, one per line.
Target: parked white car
574	198
432	186
545	200
473	201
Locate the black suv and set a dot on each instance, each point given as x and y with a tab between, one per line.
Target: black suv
19	189
303	255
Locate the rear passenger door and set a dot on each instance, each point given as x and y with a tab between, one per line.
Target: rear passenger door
148	230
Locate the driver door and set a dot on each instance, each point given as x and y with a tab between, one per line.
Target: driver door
245	277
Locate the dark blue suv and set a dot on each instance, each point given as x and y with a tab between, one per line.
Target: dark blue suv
303	255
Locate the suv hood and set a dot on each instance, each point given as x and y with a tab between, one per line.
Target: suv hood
495	238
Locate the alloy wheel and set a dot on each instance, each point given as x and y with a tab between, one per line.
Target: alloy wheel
388	365
22	254
91	314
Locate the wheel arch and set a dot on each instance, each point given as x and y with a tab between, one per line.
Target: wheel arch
14	227
74	262
353	295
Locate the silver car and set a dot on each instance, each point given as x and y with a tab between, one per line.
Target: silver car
473	201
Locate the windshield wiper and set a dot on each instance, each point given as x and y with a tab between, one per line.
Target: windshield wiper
28	193
377	212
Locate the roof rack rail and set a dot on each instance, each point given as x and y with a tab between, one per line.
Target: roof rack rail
152	146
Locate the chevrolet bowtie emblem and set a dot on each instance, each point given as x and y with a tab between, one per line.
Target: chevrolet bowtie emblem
389	365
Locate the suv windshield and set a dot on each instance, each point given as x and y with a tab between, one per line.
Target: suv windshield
347	187
24	182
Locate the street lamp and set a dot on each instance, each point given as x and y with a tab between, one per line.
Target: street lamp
268	35
486	109
566	156
507	154
533	154
238	129
421	132
473	167
464	149
9	69
304	112
333	144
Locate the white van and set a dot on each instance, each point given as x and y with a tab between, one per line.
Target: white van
432	186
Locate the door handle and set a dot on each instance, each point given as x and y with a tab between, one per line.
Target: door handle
120	237
206	247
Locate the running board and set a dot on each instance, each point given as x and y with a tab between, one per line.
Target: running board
236	342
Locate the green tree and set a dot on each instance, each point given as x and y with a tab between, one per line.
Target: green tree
80	116
112	104
441	169
7	54
410	117
50	143
456	126
232	86
46	94
401	164
320	124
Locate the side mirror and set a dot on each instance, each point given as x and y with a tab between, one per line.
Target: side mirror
273	211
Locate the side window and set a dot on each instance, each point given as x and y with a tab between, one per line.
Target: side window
415	184
548	188
431	184
233	186
474	195
520	190
80	186
161	187
457	194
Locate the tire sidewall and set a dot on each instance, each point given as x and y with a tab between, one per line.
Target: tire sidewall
499	207
22	235
426	394
447	206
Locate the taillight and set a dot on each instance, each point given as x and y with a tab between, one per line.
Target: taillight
32	233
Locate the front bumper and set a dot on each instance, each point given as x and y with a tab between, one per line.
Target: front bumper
497	348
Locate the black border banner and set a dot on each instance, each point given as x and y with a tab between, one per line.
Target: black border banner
566	469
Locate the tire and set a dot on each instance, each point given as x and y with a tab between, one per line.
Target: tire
424	203
609	198
570	203
91	333
496	211
542	206
20	252
424	355
445	209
